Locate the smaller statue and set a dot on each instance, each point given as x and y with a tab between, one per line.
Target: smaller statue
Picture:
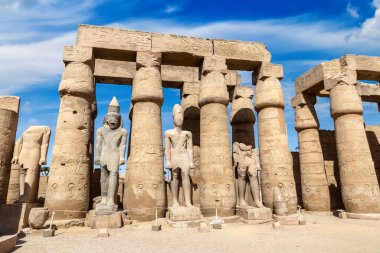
179	157
280	205
30	153
246	162
111	141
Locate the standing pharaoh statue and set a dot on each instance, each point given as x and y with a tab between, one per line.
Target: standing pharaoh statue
179	157
110	152
30	153
246	163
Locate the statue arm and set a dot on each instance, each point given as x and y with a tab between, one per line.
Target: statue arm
17	150
99	142
189	147
45	146
167	150
122	146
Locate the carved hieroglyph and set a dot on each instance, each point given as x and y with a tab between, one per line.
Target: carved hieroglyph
111	141
275	157
9	107
360	188
315	190
30	153
145	187
217	177
69	177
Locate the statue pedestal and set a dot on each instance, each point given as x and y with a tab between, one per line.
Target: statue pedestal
184	213
109	220
102	209
14	217
250	213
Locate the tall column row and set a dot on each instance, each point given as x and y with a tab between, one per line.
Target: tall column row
145	187
69	178
217	179
9	108
315	190
276	159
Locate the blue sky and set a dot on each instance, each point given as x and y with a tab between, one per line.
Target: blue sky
299	34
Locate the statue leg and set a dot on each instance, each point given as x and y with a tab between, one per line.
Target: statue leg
254	183
22	180
186	186
242	173
104	183
112	184
174	187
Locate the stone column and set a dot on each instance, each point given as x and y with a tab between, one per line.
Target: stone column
275	157
315	190
69	178
360	189
14	184
217	179
145	187
9	107
190	99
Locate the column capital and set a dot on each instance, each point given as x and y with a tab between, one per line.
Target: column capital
303	99
266	70
78	54
214	63
148	59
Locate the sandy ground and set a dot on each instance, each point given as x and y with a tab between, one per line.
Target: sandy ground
326	234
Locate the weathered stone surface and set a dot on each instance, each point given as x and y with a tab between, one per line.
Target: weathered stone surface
145	187
367	67
111	71
14	217
217	180
14	184
77	54
96	221
184	214
9	107
8	243
360	188
37	217
241	50
268	70
254	213
112	38
30	153
174	43
286	220
171	73
368	92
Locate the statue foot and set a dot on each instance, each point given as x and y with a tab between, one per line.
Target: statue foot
103	201
243	203
175	204
259	205
189	205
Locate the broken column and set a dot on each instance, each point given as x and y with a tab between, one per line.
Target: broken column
360	188
9	107
315	190
69	178
217	178
145	187
275	157
190	98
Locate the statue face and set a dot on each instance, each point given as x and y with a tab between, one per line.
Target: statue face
113	120
178	115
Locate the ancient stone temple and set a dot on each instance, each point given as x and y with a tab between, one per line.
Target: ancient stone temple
205	72
339	79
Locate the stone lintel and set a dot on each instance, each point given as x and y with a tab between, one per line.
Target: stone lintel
11	103
367	67
302	99
77	54
241	50
369	92
166	43
315	77
243	92
112	38
268	69
179	73
116	72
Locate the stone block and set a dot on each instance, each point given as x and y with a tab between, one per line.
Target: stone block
233	78
156	227
217	226
117	72
191	88
287	219
11	103
243	92
7	243
48	232
214	63
303	99
67	223
276	224
241	50
204	228
77	54
97	221
367	67
184	213
268	70
112	38
363	216
103	233
368	92
254	213
14	217
175	43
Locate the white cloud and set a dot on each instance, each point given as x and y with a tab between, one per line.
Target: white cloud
370	29
352	10
172	8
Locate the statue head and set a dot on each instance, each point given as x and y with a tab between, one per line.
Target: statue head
178	115
113	117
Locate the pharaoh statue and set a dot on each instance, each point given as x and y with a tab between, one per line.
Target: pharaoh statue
179	157
246	163
30	153
110	152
